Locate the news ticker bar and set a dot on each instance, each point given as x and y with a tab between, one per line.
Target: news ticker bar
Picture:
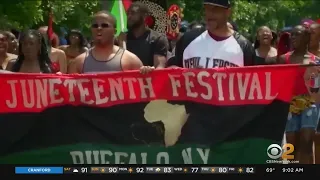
134	170
272	169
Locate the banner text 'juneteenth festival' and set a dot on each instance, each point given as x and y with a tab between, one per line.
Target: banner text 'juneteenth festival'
207	86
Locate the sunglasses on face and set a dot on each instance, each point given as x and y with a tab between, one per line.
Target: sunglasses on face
103	25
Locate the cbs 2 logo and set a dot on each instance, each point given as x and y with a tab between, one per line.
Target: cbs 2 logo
275	151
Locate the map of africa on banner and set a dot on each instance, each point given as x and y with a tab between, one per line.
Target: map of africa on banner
171	116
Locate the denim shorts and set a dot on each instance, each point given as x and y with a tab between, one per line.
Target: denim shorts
309	118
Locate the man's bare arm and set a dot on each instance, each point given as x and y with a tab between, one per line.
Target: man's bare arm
130	61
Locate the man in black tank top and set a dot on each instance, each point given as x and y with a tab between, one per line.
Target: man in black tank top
105	56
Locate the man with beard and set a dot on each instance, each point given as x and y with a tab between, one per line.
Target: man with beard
150	46
218	46
202	49
104	56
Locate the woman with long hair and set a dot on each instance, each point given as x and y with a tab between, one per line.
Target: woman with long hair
263	46
5	57
76	44
57	56
33	56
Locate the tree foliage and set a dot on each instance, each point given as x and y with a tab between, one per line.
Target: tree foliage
76	14
251	14
23	14
248	14
19	13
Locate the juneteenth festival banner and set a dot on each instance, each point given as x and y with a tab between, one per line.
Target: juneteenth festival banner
171	116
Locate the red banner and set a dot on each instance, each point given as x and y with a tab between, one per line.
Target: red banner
227	86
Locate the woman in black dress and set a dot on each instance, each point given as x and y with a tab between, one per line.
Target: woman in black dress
264	52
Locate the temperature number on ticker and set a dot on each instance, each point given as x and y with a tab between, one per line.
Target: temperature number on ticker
270	170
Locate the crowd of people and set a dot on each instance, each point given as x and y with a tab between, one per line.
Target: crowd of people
212	44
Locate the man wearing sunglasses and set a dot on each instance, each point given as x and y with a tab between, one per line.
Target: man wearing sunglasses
105	56
150	46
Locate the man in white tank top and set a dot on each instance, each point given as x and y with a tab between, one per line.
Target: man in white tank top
105	56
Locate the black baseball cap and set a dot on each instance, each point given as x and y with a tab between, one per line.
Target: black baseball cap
220	3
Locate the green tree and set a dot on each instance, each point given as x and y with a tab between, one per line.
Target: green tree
248	14
71	14
79	15
19	13
23	14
